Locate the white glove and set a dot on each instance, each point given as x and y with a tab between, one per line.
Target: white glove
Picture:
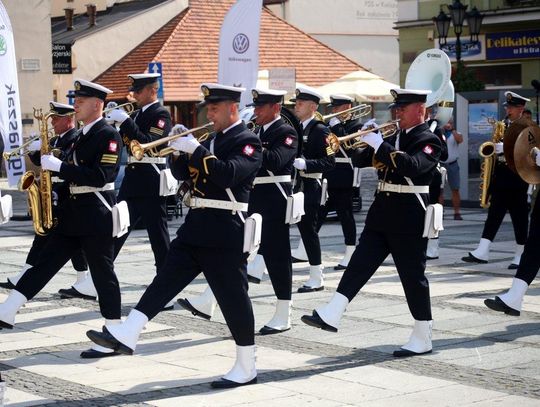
371	123
34	145
178	129
537	156
299	164
334	121
373	139
117	115
187	144
50	162
499	148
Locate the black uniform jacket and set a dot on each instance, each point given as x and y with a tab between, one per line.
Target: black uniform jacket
319	158
417	158
152	124
96	154
280	145
342	175
236	159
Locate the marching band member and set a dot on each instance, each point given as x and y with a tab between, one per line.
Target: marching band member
395	221
511	302
63	123
317	157
210	240
271	188
341	179
86	215
508	193
140	186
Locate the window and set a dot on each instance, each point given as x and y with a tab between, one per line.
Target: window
498	76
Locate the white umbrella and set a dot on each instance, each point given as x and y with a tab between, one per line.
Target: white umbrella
363	86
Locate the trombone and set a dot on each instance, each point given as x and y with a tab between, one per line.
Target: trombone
354	140
138	150
17	152
357	111
128	107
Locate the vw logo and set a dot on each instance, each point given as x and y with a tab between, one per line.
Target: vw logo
240	43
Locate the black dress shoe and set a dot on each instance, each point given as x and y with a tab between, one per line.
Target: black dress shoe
96	354
229	384
404	353
306	289
513	266
340	267
184	303
106	340
253	280
295	260
316	321
266	330
471	259
5	325
431	258
7	284
168	308
498	305
73	293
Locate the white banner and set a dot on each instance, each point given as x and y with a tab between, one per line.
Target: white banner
10	106
239	47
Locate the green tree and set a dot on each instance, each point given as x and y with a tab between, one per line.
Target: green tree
464	79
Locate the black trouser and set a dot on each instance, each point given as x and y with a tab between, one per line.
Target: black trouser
530	259
341	200
409	253
308	232
513	201
78	259
58	250
226	273
276	249
435	187
153	212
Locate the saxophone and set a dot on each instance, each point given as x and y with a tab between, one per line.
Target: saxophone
487	152
40	194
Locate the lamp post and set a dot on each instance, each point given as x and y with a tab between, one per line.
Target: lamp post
458	13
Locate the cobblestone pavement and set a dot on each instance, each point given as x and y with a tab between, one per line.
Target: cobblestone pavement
480	358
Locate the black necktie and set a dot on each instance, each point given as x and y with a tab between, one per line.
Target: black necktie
261	131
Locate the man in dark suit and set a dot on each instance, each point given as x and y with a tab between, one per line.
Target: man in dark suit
342	182
140	186
86	222
395	221
508	194
63	123
317	157
221	171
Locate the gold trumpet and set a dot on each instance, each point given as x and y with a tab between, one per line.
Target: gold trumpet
138	150
354	140
17	152
128	107
355	111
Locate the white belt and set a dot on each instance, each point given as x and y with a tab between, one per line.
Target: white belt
84	190
343	160
402	189
56	180
272	180
501	158
195	202
315	175
147	160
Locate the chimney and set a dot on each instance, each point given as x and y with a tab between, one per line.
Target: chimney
91	11
69	18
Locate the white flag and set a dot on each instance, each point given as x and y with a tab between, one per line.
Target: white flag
10	106
239	47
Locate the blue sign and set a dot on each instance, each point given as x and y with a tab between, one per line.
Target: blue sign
469	49
71	97
156	67
513	45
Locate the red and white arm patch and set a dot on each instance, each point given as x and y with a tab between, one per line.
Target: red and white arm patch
248	150
428	149
288	141
113	146
161	123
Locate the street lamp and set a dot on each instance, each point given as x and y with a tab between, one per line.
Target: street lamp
458	13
